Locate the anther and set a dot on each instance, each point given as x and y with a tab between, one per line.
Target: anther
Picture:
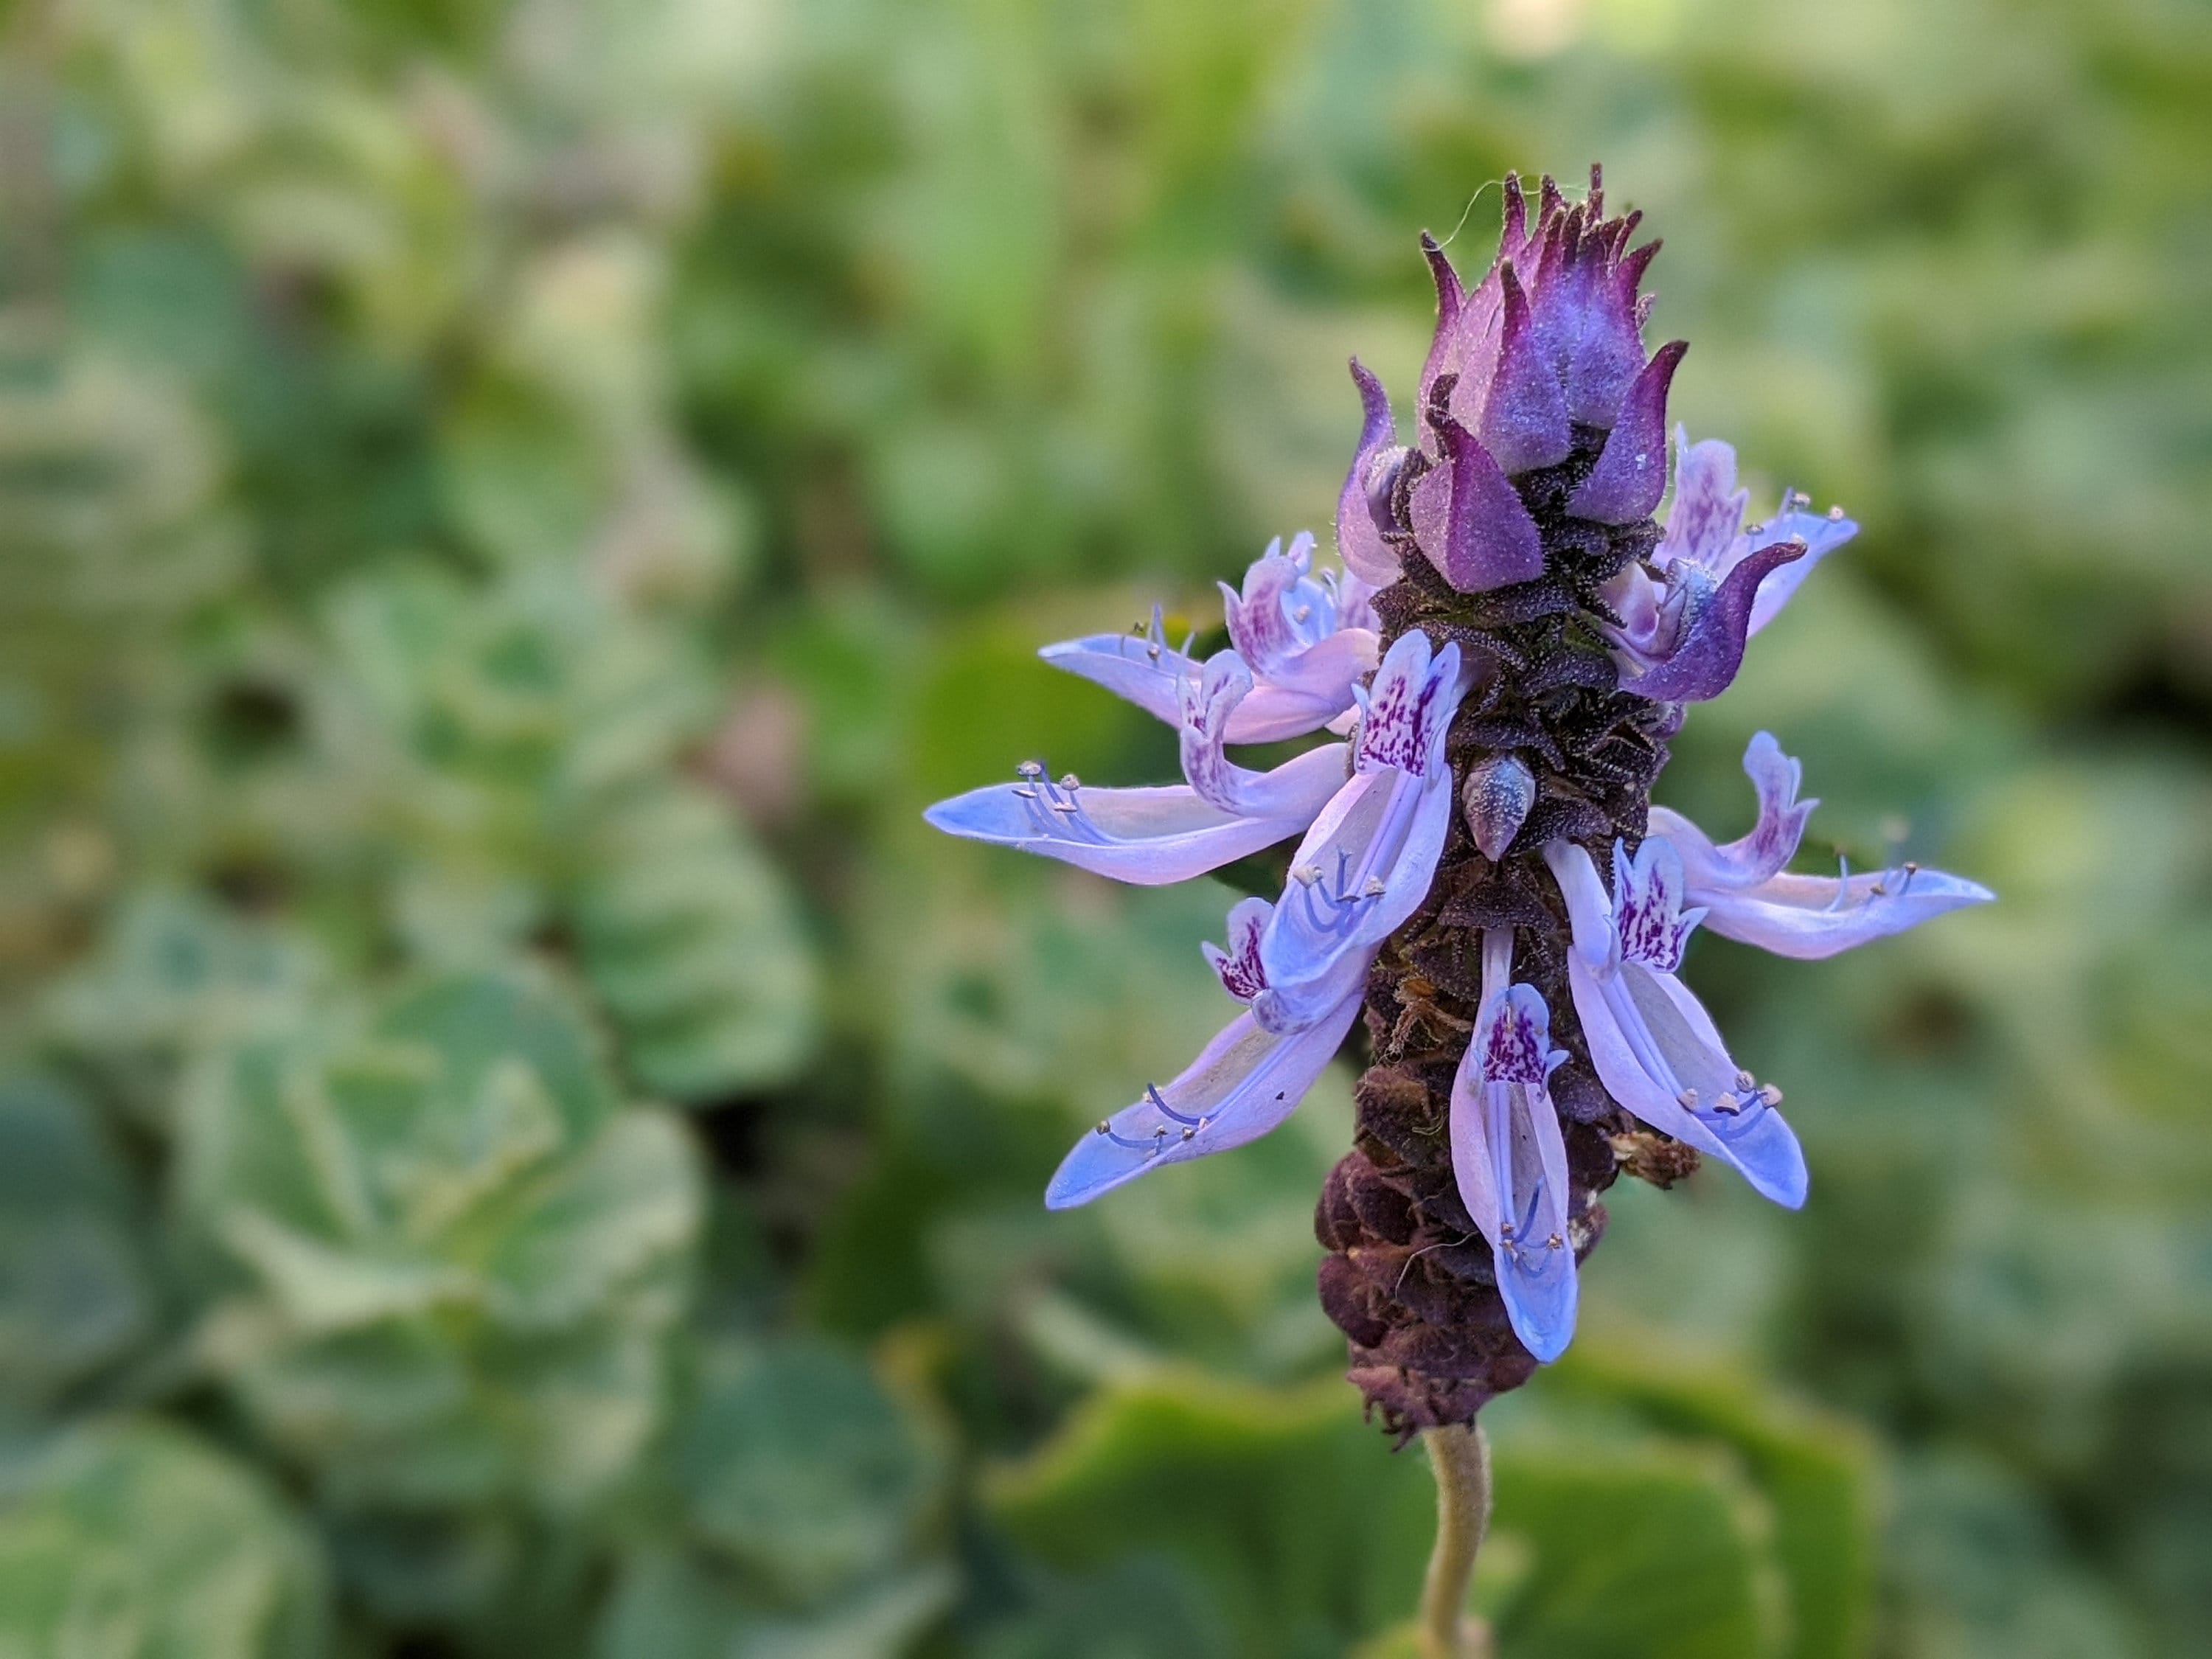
1374	888
1688	1098
1161	1106
1744	1080
1836	514
1305	874
1727	1105
1071	783
1029	769
1771	1095
1555	1243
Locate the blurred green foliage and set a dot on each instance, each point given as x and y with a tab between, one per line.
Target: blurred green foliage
515	1140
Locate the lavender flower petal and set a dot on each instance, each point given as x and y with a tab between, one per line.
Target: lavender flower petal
1245	1083
1772	842
1651	1040
1148	836
1512	1166
1706	520
1822	533
1812	917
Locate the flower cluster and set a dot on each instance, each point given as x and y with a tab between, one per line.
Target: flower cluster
1504	656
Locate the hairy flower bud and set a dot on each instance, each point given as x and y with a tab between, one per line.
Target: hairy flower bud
1496	797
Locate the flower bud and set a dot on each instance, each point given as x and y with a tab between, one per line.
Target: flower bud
1496	797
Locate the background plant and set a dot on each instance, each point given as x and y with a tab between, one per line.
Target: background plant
508	512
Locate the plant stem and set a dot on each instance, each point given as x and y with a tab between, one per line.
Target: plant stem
1461	1457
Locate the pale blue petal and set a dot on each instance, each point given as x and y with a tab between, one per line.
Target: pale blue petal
1247	1080
1148	836
1772	842
1809	917
1361	871
1822	534
1145	672
1649	1039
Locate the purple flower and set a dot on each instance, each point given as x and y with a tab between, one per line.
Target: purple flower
1310	638
1536	458
1682	630
1650	1040
1508	1155
1746	892
1299	967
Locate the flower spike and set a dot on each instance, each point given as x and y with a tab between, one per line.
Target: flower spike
1479	854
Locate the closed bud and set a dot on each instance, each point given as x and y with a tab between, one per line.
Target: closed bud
1497	796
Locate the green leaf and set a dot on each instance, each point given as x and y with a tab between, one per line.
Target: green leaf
693	941
1815	1470
670	1605
134	1541
1310	1534
460	1255
76	1293
796	1460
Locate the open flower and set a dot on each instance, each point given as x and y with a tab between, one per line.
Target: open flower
1746	892
1243	1083
1366	863
1509	1157
1650	1040
1220	813
1682	630
1300	968
1307	638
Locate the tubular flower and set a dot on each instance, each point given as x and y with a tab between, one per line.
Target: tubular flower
1479	868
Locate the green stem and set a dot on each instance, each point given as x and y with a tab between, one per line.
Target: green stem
1461	1457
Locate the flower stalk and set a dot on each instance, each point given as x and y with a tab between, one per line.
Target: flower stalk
1459	1455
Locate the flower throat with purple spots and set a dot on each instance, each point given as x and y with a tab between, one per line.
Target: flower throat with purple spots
1506	652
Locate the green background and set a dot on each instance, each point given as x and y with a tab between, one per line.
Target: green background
515	1140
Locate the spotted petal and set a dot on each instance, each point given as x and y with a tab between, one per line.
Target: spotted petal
1657	1050
1704	523
1512	1166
